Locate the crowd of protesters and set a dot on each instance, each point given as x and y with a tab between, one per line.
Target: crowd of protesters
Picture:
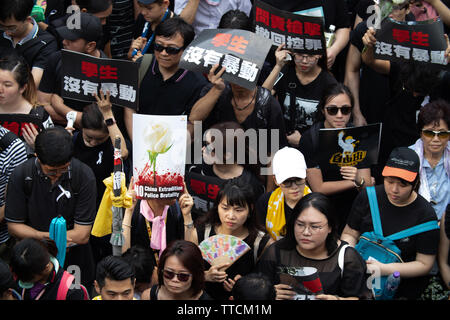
299	215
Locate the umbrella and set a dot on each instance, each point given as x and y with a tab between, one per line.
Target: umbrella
58	233
117	214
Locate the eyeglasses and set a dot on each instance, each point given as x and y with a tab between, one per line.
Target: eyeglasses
169	50
308	58
333	110
431	134
314	229
54	172
183	277
288	183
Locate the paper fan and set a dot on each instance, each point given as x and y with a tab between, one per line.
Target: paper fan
223	248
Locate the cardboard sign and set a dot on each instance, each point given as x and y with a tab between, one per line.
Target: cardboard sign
85	75
241	52
411	41
159	155
355	146
301	33
16	122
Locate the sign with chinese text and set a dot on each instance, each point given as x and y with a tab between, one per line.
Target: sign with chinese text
16	122
355	146
241	52
204	190
85	75
411	41
301	33
159	155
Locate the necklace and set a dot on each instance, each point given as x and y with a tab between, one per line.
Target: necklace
245	107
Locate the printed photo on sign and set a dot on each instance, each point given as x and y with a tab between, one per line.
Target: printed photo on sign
355	146
85	75
301	33
241	52
421	42
159	156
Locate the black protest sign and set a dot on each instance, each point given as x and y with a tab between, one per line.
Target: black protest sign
204	190
300	33
85	75
16	122
241	52
422	42
355	146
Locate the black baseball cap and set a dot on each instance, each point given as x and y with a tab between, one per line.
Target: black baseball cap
403	163
90	29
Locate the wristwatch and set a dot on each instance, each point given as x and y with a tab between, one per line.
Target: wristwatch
360	184
110	121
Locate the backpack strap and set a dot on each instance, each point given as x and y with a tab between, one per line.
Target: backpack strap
341	258
427	226
64	285
374	211
7	139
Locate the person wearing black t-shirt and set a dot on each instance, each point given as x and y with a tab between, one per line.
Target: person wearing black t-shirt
82	40
341	184
312	240
400	207
299	86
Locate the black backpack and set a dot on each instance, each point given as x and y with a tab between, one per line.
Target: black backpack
6	140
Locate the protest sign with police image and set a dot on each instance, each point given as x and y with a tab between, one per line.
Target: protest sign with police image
355	146
421	41
85	75
241	52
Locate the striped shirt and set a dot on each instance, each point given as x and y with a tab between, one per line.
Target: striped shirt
10	158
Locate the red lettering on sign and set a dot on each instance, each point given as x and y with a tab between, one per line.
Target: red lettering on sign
12	126
262	16
420	39
213	190
221	39
294	26
238	44
89	69
277	22
400	35
198	187
313	29
108	72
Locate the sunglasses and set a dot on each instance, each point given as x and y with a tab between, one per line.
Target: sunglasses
169	50
333	110
431	134
183	277
288	183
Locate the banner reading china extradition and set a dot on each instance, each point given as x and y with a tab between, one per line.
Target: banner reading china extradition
355	146
411	41
241	52
299	32
16	122
85	75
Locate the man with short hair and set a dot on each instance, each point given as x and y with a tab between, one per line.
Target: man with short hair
115	279
83	40
166	89
20	31
50	185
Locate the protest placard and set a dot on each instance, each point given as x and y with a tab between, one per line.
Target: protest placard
159	155
16	122
421	41
241	52
204	190
355	146
301	33
85	75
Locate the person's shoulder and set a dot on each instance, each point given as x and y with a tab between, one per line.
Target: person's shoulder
427	211
45	37
81	169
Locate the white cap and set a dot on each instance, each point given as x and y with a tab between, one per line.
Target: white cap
288	163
